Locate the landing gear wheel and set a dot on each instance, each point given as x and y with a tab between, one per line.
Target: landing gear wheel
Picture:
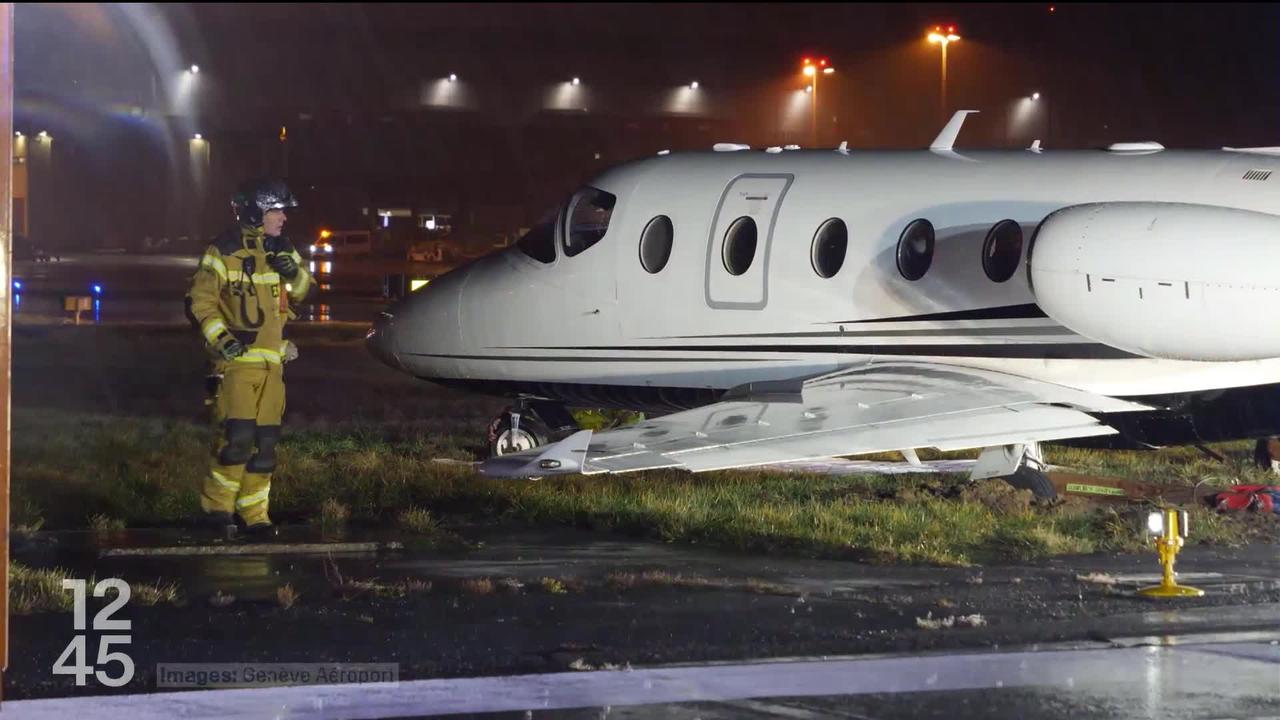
1266	454
505	439
1027	478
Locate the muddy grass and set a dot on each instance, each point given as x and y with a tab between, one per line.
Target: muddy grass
108	432
40	590
77	470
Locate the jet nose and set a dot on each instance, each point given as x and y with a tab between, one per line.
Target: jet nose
381	340
420	334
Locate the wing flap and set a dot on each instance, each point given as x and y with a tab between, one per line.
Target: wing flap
955	432
873	408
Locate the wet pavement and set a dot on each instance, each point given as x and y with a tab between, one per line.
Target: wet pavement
1177	678
581	556
451	616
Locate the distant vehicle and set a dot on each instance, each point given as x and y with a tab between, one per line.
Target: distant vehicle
342	242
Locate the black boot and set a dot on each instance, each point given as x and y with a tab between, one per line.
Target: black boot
221	524
260	531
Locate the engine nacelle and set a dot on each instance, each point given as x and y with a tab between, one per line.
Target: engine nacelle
1163	280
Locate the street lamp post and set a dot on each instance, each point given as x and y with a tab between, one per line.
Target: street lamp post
199	153
812	72
938	37
1044	105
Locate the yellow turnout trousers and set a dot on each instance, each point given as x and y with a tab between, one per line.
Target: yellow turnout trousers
247	409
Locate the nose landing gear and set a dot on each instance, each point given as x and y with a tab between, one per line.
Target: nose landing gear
527	425
514	431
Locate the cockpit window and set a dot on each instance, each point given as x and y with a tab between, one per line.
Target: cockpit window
589	213
540	242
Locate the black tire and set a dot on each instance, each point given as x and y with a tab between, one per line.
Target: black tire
1265	451
1026	478
532	433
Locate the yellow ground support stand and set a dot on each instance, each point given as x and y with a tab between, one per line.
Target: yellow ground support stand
1168	542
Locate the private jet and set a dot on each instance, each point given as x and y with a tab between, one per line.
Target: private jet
773	305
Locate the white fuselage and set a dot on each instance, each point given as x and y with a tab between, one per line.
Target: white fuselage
599	318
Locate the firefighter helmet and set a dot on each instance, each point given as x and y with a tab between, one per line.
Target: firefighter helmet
258	196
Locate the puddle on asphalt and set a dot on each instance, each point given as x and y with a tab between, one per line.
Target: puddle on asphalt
498	552
491	552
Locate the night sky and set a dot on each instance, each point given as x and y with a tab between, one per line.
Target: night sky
370	120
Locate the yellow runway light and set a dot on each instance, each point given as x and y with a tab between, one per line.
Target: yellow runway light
1169	527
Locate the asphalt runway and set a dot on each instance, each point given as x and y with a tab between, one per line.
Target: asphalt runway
1176	678
686	632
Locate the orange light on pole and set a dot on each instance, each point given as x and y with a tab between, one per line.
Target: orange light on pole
938	37
810	70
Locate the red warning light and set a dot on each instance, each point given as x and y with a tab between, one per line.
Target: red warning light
951	29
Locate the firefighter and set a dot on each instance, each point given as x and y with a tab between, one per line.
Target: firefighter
240	301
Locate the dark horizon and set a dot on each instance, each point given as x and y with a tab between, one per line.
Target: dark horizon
359	89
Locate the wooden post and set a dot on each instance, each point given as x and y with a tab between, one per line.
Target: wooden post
6	306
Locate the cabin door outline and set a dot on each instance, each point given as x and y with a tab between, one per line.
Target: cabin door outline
760	196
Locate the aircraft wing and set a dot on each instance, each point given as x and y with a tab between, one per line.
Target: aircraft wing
873	408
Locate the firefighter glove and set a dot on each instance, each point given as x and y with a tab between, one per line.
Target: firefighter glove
284	264
228	346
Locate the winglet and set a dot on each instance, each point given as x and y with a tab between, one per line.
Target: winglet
562	458
947	138
1035	146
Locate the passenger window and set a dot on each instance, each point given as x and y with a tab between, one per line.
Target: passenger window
915	249
829	246
588	219
1002	251
739	245
655	244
